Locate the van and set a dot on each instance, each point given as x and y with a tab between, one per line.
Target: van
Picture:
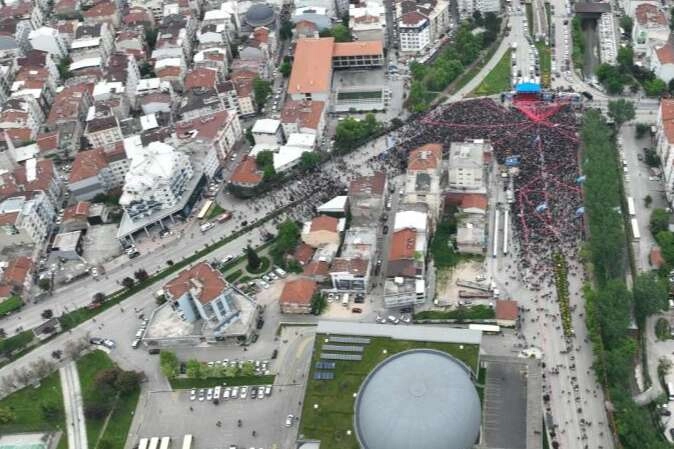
345	300
139	334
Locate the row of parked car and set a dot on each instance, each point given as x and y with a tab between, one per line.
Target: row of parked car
226	393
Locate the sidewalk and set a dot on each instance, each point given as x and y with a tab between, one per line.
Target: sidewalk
72	402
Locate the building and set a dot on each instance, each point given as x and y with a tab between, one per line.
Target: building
366	199
296	296
97	172
67	245
351	270
157	178
322	231
507	313
92	41
247	174
357	55
268	131
661	59
471	235
49	40
423	177
17	274
414	32
367	22
665	146
201	293
311	76
650	28
103	131
306	117
437	14
76	217
466	166
468	7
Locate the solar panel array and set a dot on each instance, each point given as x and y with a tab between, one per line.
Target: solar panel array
325	365
324	375
334	356
352	340
343	348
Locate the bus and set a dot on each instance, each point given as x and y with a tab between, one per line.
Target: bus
187	441
630	206
486	328
142	444
204	210
635	229
670	391
165	443
154	443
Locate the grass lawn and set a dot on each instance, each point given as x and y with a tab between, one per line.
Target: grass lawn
185	384
10	304
87	367
26	405
335	397
546	62
233	276
498	80
122	409
214	212
530	17
478	312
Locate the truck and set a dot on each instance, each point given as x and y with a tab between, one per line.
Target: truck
470	284
224	217
206	226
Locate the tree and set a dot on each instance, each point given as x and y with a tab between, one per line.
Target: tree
621	111
286	30
611	77
42	367
659	221
50	411
285	69
96	411
98	298
655	87
642	129
477	18
141	275
128	282
248	369
286	240
128	382
626	23
648	200
254	260
44	284
249	136
193	369
309	160
151	37
318	303
106	378
64	68
264	159
261	91
670	86
23	376
168	363
650	295
613	303
351	132
671	19
651	157
626	57
47	314
6	415
57	354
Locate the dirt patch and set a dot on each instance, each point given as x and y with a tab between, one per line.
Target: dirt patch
447	290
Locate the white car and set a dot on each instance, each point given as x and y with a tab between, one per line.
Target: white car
108	343
216	392
264	284
289	420
235	392
209	394
193	394
244	392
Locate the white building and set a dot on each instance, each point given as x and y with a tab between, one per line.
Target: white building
650	27
414	32
468	7
665	145
466	166
367	22
49	40
33	216
157	179
268	131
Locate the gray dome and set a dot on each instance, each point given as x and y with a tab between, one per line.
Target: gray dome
421	399
260	14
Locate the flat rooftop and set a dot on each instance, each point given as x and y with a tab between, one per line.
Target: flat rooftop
413	333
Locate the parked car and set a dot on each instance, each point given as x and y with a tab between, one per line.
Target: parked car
108	343
244	392
356	310
289	420
96	341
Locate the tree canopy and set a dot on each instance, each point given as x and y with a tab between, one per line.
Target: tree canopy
621	111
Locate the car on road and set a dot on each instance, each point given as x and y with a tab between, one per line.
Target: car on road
356	310
406	319
244	392
209	394
110	344
272	275
96	341
135	343
267	390
227	258
202	394
235	392
253	392
266	278
385	229
193	394
289	420
263	284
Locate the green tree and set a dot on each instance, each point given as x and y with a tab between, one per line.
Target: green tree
659	221
50	411
6	415
351	132
107	377
286	241
418	97
128	282
626	57
318	303
193	369
309	160
671	19
650	295
44	284
64	68
626	23
128	382
670	86
477	18
141	275
614	303
286	30
249	136
254	260
264	159
621	111
269	173
261	91
655	87
168	363
151	37
248	369
642	129
341	33
648	200
611	77
285	69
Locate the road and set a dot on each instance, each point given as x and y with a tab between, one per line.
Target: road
72	400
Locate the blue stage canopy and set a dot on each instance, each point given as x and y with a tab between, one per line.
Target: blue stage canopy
528	88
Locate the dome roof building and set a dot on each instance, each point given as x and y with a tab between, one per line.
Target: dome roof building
422	399
260	14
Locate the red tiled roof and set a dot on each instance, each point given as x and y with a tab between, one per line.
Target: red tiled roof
358	48
316	268
306	114
402	244
506	310
202	77
6	291
425	157
48	141
17	181
261	34
667	115
79	210
412	18
87	164
665	54
169	71
207	282
207	126
356	266
18	135
324	223
648	13
8	218
298	291
17	270
373	185
246	172
68	102
102	9
303	253
474	200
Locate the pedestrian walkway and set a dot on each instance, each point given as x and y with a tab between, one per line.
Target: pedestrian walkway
72	402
